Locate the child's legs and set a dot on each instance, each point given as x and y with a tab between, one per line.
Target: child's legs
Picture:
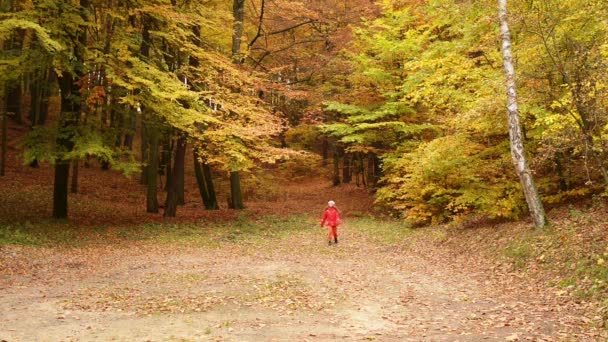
332	232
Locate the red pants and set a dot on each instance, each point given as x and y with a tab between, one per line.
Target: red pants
332	232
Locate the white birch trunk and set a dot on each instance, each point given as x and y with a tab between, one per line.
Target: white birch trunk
517	147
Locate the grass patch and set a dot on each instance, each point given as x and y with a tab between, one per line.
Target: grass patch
65	233
10	235
519	253
383	231
43	234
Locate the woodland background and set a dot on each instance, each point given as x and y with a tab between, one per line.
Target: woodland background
403	98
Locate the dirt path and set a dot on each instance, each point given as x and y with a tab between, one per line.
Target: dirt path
292	288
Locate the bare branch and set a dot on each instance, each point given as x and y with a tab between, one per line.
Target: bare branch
261	20
311	21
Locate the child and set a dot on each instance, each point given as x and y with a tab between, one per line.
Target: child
332	217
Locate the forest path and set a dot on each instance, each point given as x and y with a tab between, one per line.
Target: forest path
292	288
267	287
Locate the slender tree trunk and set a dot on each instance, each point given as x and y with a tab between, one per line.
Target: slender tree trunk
324	150
74	184
205	183
144	50
372	169
336	157
4	118
4	122
166	154
171	201
69	109
152	169
143	179
361	168
238	12
517	147
200	181
41	93
236	197
559	168
38	95
178	170
25	102
347	176
130	129
357	168
210	188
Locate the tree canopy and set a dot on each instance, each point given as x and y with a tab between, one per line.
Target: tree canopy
406	94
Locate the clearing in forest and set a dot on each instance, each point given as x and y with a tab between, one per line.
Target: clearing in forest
262	277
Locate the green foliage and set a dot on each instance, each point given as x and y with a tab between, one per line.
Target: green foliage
426	90
301	166
446	177
303	137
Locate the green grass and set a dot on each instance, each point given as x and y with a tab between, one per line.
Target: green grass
64	233
519	253
242	230
381	230
49	233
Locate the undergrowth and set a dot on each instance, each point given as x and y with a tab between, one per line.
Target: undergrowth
575	249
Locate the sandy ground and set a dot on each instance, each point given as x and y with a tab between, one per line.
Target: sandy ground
287	288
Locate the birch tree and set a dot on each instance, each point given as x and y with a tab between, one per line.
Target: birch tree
517	147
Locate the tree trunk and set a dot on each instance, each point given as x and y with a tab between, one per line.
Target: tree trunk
144	50
25	102
130	130
200	181
74	185
143	179
4	122
238	11
336	178
324	150
236	197
60	189
178	170
152	169
41	91
205	183
559	168
517	147
70	108
372	169
171	201
347	176
210	188
4	118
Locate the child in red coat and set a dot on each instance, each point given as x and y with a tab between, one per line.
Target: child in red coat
332	217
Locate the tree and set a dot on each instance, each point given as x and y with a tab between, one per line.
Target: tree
238	12
71	107
517	147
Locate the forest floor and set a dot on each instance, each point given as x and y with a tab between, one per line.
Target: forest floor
264	274
264	278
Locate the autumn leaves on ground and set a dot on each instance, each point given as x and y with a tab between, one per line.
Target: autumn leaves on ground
262	274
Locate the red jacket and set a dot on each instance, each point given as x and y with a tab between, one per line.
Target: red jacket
331	216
